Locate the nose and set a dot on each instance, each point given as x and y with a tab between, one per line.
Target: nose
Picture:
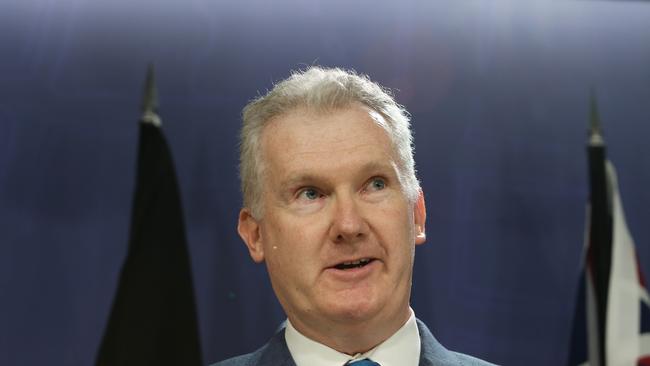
348	223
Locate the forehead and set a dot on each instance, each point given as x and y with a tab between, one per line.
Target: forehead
304	139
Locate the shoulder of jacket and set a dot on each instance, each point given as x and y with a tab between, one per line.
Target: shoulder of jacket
241	360
466	360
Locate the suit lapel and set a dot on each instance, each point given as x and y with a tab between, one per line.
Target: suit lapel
276	353
432	353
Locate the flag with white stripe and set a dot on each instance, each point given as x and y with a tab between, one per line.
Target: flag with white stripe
612	319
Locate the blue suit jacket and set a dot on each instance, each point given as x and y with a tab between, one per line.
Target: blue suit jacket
276	353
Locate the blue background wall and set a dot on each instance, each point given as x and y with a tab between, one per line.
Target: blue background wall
498	91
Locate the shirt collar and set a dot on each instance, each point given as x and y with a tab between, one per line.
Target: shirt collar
401	349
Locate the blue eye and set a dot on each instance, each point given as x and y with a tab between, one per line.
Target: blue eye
377	184
310	194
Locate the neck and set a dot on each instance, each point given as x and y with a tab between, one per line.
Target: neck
352	337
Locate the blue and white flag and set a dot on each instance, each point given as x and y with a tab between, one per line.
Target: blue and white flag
612	319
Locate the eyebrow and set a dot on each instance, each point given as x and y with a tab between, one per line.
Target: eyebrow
306	178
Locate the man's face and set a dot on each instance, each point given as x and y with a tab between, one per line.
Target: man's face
337	232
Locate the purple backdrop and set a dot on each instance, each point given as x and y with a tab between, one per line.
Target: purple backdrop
499	94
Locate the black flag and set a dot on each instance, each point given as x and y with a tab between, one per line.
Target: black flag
612	322
153	319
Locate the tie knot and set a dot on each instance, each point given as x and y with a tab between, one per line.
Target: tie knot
364	362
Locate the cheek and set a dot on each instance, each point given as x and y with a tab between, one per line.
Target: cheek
399	234
397	220
284	243
295	247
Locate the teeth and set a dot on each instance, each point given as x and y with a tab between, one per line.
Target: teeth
365	260
352	264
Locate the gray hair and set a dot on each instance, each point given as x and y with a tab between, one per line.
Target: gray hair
321	90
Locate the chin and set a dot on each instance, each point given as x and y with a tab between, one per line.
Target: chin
360	309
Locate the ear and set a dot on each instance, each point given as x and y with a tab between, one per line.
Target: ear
249	230
420	218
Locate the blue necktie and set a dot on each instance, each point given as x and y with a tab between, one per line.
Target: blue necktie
364	362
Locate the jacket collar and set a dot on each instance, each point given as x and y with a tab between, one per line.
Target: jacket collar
276	352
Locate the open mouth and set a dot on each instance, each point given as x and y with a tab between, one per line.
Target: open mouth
354	264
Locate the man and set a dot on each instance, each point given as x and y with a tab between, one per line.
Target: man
333	207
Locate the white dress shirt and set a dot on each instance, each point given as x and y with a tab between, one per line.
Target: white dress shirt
401	349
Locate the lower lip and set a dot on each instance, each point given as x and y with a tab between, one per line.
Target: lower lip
353	274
